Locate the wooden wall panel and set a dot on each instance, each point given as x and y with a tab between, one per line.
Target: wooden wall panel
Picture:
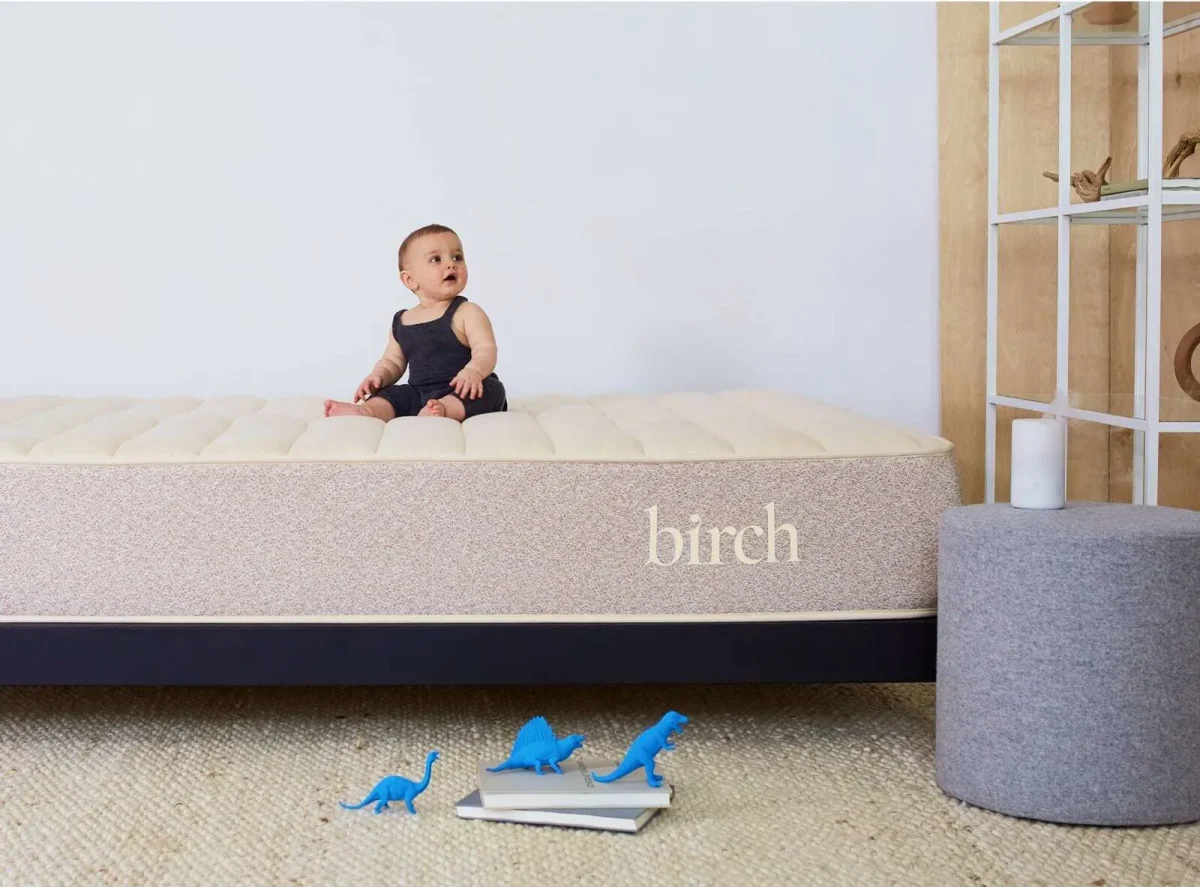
1028	126
962	183
1014	13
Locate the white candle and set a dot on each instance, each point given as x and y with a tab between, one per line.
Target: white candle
1039	455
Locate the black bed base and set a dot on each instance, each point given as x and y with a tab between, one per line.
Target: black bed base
322	654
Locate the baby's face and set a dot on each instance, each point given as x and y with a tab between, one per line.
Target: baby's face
435	267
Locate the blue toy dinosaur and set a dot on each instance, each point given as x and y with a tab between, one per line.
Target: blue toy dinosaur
643	749
536	747
396	788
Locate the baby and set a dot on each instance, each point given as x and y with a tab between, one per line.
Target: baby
446	343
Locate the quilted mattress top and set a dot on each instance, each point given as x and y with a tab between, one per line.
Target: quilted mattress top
678	427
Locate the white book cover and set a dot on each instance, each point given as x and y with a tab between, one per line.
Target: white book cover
573	788
611	819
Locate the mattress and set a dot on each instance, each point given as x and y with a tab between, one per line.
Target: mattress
679	506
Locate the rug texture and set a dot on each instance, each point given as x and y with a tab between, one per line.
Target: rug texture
819	784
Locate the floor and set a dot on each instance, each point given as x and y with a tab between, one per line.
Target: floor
821	784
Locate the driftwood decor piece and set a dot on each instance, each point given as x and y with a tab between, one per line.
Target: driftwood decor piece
1087	184
1183	363
1184	148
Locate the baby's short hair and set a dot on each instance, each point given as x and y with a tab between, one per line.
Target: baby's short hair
420	232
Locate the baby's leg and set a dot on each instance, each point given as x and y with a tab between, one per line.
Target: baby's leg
442	405
376	407
494	399
433	408
386	404
449	406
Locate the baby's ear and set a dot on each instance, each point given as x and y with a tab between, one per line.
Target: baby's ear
407	280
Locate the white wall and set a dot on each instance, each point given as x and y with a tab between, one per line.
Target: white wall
207	198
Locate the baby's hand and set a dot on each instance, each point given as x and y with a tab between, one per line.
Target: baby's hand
369	386
468	383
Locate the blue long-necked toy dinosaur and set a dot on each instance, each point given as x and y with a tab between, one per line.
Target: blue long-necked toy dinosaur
537	747
396	788
644	748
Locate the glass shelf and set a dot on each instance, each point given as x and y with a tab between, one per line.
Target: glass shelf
1046	405
1177	206
1100	24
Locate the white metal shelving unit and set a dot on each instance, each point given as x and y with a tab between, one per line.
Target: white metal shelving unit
1148	212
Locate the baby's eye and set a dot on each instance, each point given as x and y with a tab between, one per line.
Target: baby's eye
458	257
435	258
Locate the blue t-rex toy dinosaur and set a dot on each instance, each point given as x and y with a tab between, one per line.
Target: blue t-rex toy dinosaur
643	749
396	788
536	747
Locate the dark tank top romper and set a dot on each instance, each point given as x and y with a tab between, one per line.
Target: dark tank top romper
435	356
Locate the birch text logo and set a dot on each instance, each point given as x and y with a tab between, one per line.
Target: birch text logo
745	551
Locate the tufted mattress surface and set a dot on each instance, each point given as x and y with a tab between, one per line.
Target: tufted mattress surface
733	505
610	428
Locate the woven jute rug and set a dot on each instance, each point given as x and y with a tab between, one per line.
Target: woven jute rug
818	784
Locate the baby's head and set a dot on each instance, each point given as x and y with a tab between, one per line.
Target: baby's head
432	263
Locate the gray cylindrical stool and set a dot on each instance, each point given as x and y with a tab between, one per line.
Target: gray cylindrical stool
1068	662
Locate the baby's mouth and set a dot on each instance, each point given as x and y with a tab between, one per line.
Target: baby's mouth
450	278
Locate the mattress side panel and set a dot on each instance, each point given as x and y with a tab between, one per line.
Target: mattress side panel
471	539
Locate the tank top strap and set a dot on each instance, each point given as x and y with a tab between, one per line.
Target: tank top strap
454	305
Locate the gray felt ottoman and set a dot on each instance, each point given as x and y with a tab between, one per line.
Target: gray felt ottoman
1068	680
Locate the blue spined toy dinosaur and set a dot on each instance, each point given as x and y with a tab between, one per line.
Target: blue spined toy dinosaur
396	788
643	749
537	747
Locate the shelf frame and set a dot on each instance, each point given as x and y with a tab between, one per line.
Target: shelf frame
1146	211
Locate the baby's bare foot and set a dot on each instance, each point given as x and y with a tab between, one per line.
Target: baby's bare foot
341	408
433	408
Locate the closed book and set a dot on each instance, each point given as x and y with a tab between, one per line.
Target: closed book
1123	188
613	819
574	788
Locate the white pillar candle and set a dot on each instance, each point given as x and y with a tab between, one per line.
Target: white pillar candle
1039	455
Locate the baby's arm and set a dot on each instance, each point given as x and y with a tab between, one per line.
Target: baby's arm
476	329
388	370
